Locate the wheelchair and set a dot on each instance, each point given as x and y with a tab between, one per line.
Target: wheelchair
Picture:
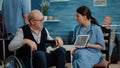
9	59
21	59
14	60
4	52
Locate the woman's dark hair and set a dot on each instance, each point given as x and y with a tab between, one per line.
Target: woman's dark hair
84	10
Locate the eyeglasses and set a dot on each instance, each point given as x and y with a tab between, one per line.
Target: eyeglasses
39	20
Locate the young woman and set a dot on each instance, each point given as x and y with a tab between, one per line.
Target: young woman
87	57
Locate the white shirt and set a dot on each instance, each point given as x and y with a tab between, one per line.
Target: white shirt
18	40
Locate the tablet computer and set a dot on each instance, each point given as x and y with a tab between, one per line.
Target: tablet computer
81	40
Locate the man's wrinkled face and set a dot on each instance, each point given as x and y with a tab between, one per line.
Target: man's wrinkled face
38	21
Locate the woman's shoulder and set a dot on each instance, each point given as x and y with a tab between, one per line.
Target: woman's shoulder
77	26
96	26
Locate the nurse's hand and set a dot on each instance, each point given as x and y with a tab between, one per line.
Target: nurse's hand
73	51
80	47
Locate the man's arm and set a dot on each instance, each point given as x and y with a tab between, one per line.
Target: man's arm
48	35
26	18
17	41
58	40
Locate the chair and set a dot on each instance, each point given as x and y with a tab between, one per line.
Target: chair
105	61
8	58
115	57
4	52
13	62
17	61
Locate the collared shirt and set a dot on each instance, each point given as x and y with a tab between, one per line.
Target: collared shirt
18	40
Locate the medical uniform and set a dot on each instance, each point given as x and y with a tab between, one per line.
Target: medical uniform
13	11
87	57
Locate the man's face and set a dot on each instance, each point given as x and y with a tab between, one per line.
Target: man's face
38	21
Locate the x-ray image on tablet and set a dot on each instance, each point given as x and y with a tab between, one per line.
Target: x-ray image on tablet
81	40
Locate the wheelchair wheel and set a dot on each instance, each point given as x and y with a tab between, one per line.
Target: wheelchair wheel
13	62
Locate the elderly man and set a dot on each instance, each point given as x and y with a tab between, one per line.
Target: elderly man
35	36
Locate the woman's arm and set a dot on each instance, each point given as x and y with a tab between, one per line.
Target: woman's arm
97	46
98	38
3	27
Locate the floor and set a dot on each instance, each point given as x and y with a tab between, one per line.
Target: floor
114	66
69	66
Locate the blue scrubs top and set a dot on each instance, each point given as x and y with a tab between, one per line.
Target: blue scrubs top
87	57
13	11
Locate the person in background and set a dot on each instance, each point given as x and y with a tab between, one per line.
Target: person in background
87	57
35	35
107	25
14	15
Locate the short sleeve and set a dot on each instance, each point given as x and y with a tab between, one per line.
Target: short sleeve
26	6
100	37
2	8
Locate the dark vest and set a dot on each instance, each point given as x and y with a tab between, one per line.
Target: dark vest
25	50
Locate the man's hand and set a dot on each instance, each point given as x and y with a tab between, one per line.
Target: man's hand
31	43
59	41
